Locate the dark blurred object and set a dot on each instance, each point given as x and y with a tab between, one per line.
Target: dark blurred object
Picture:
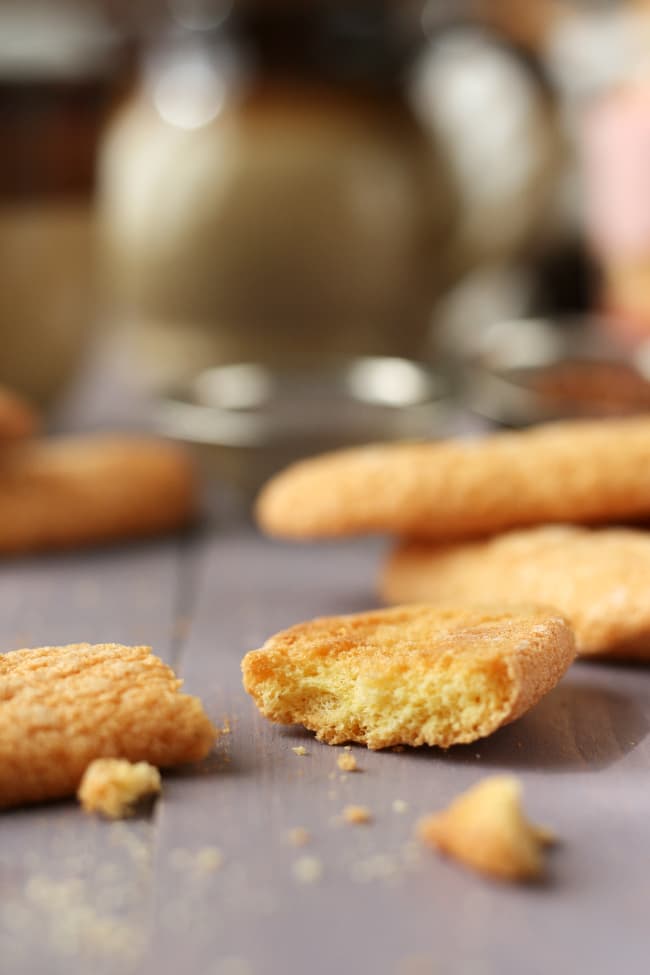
268	195
250	421
531	371
55	71
564	279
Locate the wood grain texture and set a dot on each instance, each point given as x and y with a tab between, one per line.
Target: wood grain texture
381	905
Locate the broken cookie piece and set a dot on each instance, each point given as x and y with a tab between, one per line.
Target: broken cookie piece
414	675
486	830
114	786
63	707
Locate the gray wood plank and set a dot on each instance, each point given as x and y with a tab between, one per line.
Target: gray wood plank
75	891
381	904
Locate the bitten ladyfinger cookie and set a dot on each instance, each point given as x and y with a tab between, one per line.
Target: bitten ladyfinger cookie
414	675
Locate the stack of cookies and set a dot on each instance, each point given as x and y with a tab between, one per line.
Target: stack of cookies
528	517
62	492
509	556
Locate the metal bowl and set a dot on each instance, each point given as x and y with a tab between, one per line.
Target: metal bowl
535	370
250	421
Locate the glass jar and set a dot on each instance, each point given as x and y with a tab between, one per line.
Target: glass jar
53	86
271	198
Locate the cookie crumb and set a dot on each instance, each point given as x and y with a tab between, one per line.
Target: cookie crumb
307	870
114	786
357	815
485	829
381	866
399	806
299	750
347	763
208	860
298	836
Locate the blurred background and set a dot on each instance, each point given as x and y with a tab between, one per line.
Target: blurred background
277	226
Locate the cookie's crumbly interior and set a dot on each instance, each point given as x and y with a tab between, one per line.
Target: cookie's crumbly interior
450	704
414	675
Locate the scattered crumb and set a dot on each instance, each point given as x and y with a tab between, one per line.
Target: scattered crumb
307	870
399	806
298	836
357	815
347	763
299	750
114	786
381	866
226	729
347	748
486	830
208	860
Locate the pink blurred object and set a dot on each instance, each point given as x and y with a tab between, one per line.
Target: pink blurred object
616	142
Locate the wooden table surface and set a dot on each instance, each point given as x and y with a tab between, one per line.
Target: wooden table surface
207	882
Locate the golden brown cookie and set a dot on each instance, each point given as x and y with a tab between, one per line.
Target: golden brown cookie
412	675
486	830
71	491
17	418
114	786
585	472
63	707
598	579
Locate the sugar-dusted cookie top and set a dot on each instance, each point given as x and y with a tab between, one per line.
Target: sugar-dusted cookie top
63	707
598	578
585	472
411	675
